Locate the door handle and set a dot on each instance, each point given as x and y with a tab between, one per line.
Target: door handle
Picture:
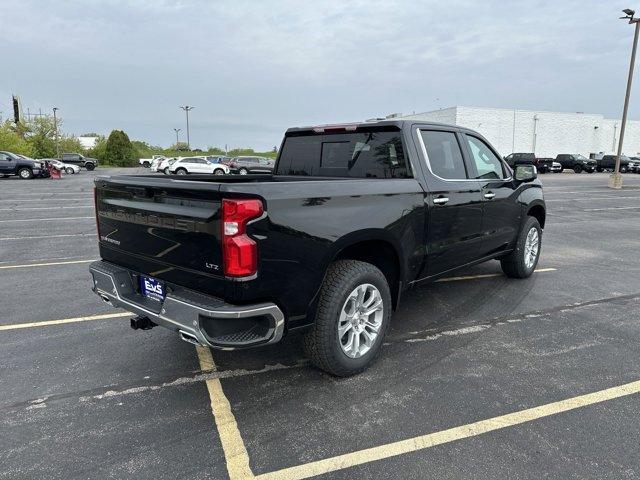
489	195
440	200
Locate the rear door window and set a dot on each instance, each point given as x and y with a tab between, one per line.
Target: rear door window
375	154
444	154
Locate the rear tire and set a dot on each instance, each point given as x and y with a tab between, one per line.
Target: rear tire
522	261
340	308
599	169
69	170
181	171
623	169
25	173
243	171
218	171
577	169
561	170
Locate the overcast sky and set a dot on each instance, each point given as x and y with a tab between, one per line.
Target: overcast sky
254	68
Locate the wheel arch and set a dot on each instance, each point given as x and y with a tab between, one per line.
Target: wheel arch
378	248
537	210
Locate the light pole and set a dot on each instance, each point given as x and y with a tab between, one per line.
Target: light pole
177	130
186	109
615	181
55	130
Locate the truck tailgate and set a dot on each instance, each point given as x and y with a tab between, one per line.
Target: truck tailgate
170	225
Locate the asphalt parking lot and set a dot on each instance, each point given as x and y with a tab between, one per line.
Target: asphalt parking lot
481	376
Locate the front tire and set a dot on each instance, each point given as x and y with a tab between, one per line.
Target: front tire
353	314
243	171
181	171
218	171
69	170
577	169
25	174
89	166
522	262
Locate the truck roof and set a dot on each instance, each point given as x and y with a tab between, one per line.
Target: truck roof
387	123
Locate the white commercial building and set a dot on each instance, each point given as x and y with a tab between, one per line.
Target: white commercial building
544	133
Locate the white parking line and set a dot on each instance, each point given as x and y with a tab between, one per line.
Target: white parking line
610	208
46	219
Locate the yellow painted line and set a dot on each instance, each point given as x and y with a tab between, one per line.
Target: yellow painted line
488	275
402	447
46	323
69	262
235	452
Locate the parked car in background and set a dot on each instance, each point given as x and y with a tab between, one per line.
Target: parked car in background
576	162
634	164
187	165
62	167
555	167
24	167
164	164
146	162
514	159
245	165
543	164
608	163
223	159
79	160
325	246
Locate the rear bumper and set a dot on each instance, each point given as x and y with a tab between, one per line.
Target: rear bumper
198	318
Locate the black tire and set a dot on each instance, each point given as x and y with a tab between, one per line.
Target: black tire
623	169
89	166
181	171
514	265
69	170
243	171
577	169
322	344
25	173
599	169
561	170
146	164
590	171
166	171
218	171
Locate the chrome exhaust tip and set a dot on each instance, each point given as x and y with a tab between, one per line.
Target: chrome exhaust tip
188	337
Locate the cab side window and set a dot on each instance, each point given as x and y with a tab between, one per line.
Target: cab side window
488	165
444	154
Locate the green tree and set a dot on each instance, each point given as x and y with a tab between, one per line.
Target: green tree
13	142
41	135
99	150
119	151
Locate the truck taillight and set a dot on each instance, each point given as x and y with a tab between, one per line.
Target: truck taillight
239	251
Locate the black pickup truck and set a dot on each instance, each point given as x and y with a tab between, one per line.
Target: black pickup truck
352	216
576	162
79	160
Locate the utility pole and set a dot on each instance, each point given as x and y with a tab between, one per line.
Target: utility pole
615	181
55	130
186	109
177	130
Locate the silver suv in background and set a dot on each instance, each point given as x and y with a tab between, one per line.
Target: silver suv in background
245	165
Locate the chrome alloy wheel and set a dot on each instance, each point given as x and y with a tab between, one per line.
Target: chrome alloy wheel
531	247
360	320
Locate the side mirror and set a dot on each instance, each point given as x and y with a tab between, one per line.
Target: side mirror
526	173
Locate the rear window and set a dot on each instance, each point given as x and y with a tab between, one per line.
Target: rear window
360	155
